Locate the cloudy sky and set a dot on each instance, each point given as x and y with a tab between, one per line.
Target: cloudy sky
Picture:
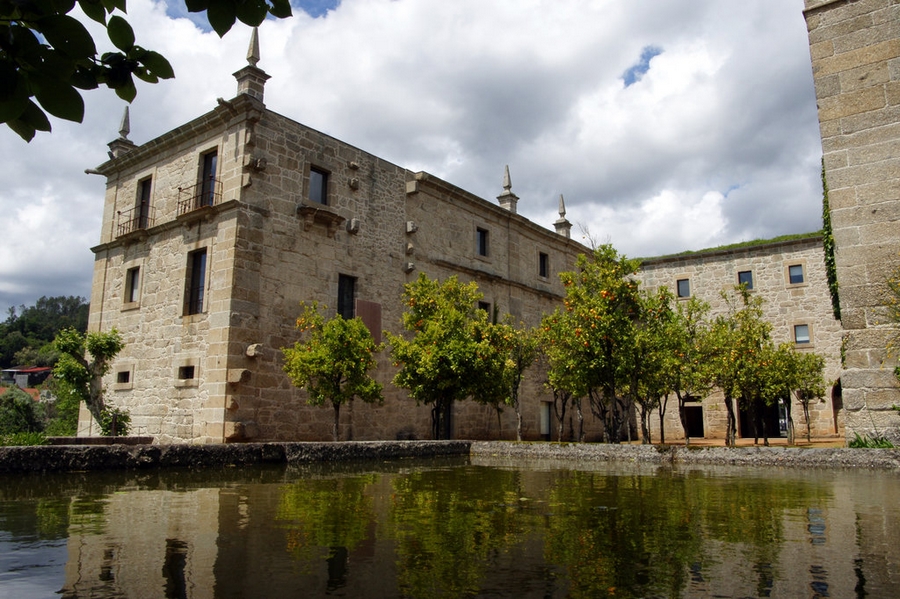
668	125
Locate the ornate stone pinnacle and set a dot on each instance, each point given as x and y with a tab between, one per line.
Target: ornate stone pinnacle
253	50
125	125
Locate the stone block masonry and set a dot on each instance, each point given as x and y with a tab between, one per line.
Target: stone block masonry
855	51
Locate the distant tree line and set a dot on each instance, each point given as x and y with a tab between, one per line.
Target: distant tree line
26	336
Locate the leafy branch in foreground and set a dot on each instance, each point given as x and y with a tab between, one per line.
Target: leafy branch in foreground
47	56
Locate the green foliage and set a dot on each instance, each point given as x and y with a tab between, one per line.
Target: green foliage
19	413
82	377
19	439
602	307
451	355
333	361
62	414
828	246
866	442
27	334
47	56
114	422
516	349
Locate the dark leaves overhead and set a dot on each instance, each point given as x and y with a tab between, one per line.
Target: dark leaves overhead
48	56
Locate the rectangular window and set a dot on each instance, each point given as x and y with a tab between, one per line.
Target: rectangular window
196	282
795	274
683	287
481	241
123	377
745	277
486	306
543	265
801	333
208	178
142	210
132	284
318	186
185	372
346	296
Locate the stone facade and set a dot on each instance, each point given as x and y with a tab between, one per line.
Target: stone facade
786	305
202	360
855	50
215	232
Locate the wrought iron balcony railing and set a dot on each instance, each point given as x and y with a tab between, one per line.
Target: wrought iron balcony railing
138	218
202	195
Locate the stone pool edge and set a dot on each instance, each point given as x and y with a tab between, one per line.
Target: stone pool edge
58	458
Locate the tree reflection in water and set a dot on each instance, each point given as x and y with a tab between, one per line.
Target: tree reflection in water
420	530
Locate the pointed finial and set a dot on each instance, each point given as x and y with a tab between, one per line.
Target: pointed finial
507	198
562	224
253	50
125	125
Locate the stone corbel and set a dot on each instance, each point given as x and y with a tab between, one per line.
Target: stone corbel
312	213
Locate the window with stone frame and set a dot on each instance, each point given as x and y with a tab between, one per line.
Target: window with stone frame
142	207
683	288
802	334
195	284
543	265
745	277
482	241
318	186
132	285
796	276
346	301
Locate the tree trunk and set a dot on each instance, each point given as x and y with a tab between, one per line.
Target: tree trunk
806	415
662	413
682	415
790	420
560	399
645	425
519	424
580	414
731	429
337	421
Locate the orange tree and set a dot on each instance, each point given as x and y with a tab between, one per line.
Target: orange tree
563	370
687	334
516	349
648	369
601	308
450	355
333	361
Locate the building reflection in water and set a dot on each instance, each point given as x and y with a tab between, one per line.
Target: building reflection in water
484	530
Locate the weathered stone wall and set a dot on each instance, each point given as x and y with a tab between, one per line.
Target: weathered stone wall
269	249
855	50
159	337
785	305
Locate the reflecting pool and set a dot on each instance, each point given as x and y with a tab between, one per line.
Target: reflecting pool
471	527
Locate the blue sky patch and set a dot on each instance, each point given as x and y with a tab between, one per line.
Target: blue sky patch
635	72
314	8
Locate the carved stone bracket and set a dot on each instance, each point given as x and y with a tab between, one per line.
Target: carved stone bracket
318	213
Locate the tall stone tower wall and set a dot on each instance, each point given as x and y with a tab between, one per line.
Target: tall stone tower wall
855	50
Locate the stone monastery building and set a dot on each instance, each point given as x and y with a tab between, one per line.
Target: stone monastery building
215	232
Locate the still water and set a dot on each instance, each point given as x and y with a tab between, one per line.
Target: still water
452	528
